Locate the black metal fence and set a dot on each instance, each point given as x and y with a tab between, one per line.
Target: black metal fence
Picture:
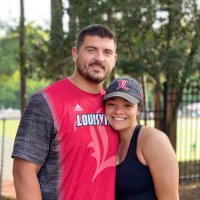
188	135
188	129
188	132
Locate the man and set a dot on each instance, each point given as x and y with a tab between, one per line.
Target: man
64	148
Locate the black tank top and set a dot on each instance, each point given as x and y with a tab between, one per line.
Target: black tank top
133	179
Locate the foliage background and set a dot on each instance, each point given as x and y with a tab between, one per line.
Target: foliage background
158	43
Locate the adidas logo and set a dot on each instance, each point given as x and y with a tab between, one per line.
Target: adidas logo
78	108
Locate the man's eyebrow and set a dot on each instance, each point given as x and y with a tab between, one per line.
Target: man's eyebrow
93	47
90	47
109	50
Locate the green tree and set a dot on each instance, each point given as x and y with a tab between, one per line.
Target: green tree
52	55
158	39
56	48
9	65
8	54
162	41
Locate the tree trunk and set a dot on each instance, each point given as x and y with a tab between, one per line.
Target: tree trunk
56	49
173	100
57	17
157	108
22	57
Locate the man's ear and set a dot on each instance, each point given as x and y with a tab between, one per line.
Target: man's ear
116	56
74	53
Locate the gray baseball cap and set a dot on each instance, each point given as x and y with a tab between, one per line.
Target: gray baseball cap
127	88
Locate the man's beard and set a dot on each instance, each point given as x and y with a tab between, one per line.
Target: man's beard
84	72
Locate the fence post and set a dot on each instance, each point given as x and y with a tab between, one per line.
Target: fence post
2	156
165	107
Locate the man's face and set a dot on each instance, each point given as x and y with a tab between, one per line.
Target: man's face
95	59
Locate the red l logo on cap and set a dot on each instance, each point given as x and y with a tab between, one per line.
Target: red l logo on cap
122	84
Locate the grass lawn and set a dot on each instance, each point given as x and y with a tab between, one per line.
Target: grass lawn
188	139
188	136
9	127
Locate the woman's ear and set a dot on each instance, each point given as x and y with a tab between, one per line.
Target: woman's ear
138	112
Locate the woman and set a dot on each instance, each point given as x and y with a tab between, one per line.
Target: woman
147	168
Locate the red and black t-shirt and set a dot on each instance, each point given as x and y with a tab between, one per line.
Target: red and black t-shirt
64	130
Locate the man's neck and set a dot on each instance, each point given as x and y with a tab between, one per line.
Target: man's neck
85	85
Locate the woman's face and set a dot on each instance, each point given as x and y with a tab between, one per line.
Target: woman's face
121	114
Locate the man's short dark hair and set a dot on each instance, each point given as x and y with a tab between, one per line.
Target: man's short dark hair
94	30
